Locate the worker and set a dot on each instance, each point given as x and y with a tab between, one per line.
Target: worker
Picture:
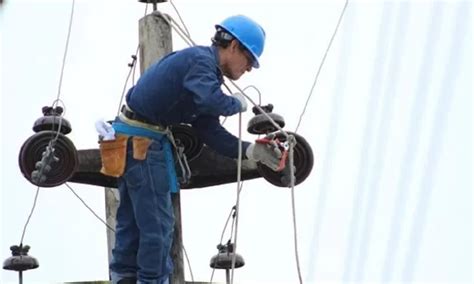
182	87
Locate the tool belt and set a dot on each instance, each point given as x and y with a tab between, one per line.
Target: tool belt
134	119
114	152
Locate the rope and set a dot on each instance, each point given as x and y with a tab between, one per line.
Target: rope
321	65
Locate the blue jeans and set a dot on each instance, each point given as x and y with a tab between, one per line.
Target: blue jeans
145	219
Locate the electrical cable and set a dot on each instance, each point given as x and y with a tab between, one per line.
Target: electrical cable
133	73
321	65
291	144
180	18
55	102
66	49
132	70
237	203
132	67
293	207
189	263
90	209
258	91
231	214
53	140
29	216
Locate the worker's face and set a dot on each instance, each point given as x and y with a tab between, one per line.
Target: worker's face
240	60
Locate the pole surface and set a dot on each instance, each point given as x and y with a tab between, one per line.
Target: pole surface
155	42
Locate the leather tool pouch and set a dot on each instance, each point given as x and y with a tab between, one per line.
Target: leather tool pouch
140	147
114	155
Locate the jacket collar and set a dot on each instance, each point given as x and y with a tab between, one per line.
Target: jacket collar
215	52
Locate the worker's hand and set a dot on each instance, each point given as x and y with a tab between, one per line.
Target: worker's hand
267	154
241	99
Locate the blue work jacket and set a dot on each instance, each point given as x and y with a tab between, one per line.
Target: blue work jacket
185	87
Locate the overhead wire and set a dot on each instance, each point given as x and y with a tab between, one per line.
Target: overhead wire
231	215
88	207
248	87
132	70
66	49
53	140
132	66
186	37
189	263
291	145
321	64
258	92
29	216
237	203
180	18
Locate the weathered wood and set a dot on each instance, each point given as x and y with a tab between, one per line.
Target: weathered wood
154	39
155	43
111	203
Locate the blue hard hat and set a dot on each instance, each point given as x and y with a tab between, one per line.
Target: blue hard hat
249	33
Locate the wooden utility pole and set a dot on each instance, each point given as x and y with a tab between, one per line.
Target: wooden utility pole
155	42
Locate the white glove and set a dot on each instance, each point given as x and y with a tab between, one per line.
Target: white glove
105	130
241	99
267	154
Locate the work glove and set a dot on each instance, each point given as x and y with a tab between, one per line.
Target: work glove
267	154
105	130
241	99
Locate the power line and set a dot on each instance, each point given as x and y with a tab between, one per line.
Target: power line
180	18
90	209
132	66
53	140
29	216
321	65
66	49
189	264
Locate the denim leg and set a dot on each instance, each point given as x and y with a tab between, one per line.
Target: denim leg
148	185
124	254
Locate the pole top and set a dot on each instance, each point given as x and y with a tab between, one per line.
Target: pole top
151	1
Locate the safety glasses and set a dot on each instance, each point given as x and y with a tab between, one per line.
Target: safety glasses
247	54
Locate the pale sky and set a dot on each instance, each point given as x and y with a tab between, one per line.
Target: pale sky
389	122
